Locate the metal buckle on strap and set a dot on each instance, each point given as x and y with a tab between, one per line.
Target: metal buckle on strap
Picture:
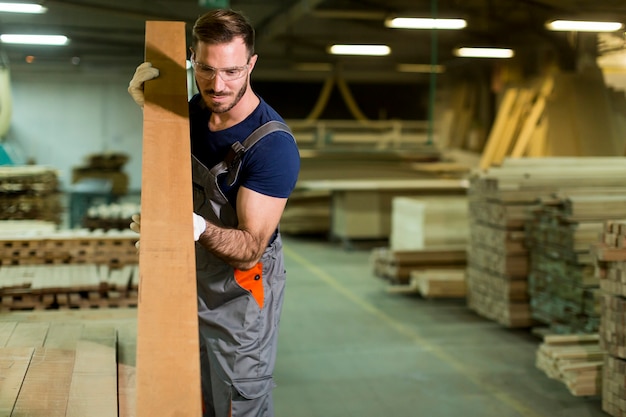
233	157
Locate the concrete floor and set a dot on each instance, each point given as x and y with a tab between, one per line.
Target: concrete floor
347	348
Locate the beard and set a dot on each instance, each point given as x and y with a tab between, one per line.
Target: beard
220	108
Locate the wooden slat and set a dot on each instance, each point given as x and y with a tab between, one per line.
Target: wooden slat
46	386
6	330
499	125
13	365
28	335
63	335
168	371
93	391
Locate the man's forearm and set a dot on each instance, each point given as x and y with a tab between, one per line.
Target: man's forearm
237	247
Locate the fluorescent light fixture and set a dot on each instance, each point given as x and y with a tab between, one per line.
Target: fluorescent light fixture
423	68
35	39
583	26
313	66
425	23
370	50
22	8
484	52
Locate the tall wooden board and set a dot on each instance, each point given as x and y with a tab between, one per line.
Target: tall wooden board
168	369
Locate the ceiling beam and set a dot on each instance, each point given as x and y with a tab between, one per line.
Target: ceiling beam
279	23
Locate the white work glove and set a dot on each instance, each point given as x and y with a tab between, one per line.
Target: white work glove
199	226
135	226
143	73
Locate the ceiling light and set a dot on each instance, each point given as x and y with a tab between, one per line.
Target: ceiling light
583	26
371	50
424	68
484	52
22	8
425	23
35	39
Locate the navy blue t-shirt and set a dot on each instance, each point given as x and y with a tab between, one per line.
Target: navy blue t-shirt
270	167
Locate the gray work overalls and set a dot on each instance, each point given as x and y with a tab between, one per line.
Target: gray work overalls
238	310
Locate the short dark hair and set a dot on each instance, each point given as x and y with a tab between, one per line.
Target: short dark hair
222	26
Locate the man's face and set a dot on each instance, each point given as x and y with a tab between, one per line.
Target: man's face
222	73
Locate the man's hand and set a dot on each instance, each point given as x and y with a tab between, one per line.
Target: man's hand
143	73
199	226
135	226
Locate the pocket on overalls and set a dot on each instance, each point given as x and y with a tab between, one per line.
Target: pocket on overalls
252	388
251	280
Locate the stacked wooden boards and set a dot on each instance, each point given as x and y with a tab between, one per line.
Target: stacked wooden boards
62	370
501	202
576	360
431	272
53	287
610	268
30	192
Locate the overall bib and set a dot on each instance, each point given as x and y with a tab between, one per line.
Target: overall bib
238	310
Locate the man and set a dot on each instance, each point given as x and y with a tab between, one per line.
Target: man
240	193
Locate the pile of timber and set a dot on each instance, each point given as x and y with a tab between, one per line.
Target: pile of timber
428	221
110	216
610	265
42	268
64	370
564	291
576	360
114	248
47	287
30	192
431	272
503	199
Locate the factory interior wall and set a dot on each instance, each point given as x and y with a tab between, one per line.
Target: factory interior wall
60	119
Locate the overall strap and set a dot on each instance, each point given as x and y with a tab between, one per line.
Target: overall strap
238	149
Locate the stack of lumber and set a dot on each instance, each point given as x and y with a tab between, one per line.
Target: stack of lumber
30	192
610	263
46	287
114	248
432	272
433	283
563	288
110	216
497	257
574	359
424	222
63	370
501	202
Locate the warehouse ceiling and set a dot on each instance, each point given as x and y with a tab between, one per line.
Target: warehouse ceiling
110	33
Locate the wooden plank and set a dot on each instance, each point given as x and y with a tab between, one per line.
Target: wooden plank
168	369
93	391
509	134
46	386
126	391
498	127
6	330
13	365
28	335
63	335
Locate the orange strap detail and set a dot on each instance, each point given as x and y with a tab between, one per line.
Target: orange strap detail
252	280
